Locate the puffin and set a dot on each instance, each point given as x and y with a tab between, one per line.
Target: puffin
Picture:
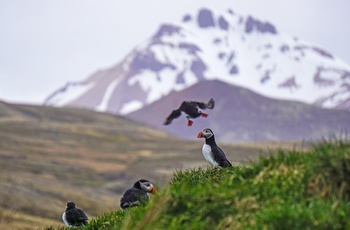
137	194
211	151
192	109
74	216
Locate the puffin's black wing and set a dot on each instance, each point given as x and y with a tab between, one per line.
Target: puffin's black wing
76	217
133	197
82	215
219	156
174	114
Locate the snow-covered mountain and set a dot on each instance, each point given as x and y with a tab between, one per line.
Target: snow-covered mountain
209	45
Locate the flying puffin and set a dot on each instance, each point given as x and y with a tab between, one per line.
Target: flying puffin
211	152
74	216
192	109
137	194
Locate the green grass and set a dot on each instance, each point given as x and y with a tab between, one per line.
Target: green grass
286	190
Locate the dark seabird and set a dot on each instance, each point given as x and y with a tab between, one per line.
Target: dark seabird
211	152
74	216
137	194
192	109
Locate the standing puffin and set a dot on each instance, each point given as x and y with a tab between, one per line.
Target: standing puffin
137	194
192	110
74	216
211	152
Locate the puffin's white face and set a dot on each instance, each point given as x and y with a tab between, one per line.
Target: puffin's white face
148	187
206	133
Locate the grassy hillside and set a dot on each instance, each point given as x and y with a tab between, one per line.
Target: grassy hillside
287	190
51	155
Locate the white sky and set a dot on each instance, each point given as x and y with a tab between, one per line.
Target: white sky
46	43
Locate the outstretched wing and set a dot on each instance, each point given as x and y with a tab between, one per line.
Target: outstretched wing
211	104
174	114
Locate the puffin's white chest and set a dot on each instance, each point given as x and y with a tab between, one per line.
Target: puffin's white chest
65	219
208	155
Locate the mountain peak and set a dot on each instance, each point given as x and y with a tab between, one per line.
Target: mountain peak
205	18
166	30
210	45
252	24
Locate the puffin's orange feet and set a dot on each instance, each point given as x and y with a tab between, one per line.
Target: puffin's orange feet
204	115
189	123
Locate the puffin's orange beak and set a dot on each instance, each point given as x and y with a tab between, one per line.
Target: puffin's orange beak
153	190
200	135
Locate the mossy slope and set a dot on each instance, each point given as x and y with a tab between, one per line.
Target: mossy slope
287	190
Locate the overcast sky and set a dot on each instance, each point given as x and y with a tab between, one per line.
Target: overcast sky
46	43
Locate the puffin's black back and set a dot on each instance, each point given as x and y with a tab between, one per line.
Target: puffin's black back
191	108
220	157
75	216
134	196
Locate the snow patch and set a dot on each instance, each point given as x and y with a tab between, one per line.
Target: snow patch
102	107
130	107
157	84
72	92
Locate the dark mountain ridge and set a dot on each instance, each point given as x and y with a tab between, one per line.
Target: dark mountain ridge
243	115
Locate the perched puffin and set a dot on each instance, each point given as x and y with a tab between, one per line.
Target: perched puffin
74	216
211	152
137	194
192	110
